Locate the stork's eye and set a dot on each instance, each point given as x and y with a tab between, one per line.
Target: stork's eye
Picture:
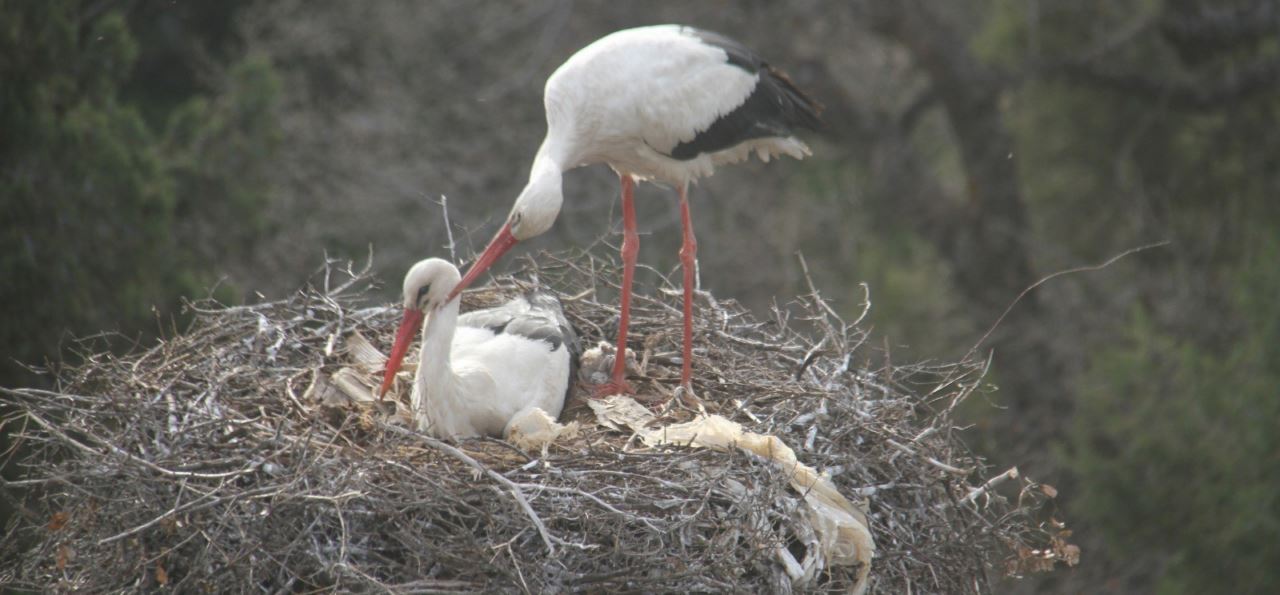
422	292
515	218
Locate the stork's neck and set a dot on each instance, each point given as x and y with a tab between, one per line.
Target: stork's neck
536	208
436	391
552	160
546	172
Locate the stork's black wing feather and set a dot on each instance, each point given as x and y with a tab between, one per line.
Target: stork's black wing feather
775	108
536	316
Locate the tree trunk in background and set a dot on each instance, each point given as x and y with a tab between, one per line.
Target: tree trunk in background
984	236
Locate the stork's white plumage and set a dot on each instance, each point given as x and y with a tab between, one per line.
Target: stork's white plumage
479	371
667	103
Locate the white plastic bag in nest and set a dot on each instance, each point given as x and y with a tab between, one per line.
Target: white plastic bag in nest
841	527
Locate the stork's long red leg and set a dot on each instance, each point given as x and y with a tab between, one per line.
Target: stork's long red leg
630	249
688	258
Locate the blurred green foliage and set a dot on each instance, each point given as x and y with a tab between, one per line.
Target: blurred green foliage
1177	448
105	216
1174	441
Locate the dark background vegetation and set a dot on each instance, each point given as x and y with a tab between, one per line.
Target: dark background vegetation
151	150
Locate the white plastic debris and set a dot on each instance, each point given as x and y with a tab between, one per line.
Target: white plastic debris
618	412
364	354
535	428
840	527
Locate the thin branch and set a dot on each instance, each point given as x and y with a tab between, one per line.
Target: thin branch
1046	279
448	228
990	484
516	493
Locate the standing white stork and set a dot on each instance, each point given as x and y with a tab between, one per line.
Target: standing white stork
666	103
480	371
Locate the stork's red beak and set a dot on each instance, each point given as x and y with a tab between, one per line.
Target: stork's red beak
408	328
499	246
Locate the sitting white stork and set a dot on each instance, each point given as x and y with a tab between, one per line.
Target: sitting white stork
666	103
480	371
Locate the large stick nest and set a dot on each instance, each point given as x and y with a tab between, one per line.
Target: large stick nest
205	463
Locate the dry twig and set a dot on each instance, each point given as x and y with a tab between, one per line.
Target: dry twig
202	463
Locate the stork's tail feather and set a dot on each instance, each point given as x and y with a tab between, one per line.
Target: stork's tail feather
799	110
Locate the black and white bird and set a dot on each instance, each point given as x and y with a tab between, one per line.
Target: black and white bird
666	103
480	372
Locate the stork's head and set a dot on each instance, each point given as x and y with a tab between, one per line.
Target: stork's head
427	287
533	214
536	208
428	283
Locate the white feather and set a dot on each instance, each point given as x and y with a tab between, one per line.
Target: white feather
631	97
473	381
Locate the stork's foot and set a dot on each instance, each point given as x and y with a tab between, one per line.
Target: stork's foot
613	387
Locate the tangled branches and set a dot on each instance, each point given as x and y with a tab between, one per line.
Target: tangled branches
209	461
